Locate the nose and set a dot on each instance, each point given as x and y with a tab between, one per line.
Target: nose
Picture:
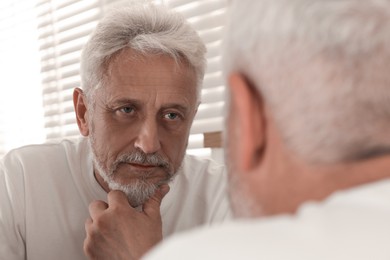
148	137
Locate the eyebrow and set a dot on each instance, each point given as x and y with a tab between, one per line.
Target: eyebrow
180	107
128	101
124	101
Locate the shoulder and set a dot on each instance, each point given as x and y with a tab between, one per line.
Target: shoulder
232	240
43	151
198	194
207	174
335	229
30	157
274	238
194	167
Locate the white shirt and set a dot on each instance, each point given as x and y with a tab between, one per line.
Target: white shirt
349	225
45	191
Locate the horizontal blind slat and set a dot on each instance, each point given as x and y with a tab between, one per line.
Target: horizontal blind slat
213	65
199	8
212	80
177	3
88	22
64	111
207	125
195	141
59	122
60	133
213	95
210	110
214	49
215	19
50	66
211	35
55	16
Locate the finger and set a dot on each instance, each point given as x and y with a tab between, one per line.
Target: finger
88	225
152	205
96	208
117	198
87	244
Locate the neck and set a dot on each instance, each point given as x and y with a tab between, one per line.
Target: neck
295	183
284	181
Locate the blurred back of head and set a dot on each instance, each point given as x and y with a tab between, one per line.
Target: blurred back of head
148	29
321	67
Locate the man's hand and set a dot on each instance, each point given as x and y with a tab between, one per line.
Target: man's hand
118	231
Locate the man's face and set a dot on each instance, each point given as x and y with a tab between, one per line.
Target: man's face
140	123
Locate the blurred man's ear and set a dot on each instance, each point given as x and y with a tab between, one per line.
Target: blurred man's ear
249	121
80	107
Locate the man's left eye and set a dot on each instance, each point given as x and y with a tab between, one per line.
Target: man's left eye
171	116
127	110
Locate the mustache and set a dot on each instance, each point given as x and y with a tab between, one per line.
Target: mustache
139	157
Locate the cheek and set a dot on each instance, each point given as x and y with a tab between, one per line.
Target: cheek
110	134
106	141
97	146
174	147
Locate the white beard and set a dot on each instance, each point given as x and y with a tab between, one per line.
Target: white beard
137	192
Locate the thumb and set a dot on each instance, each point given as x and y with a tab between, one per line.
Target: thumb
152	205
117	198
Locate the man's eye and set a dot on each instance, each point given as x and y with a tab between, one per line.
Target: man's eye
127	110
171	116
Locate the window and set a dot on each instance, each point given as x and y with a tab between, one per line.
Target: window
21	120
63	28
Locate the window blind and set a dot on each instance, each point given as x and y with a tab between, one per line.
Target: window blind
63	28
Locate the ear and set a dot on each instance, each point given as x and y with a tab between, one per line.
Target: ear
80	107
249	121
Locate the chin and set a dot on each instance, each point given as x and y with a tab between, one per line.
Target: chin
137	192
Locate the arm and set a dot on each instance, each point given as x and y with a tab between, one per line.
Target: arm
117	231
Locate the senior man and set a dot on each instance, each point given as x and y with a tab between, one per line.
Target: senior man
142	71
308	142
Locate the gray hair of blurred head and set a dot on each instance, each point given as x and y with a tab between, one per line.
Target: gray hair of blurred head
146	28
322	67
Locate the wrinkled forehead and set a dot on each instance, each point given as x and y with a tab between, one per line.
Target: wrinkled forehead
177	62
132	72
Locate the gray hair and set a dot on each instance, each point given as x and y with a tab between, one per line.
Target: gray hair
149	30
322	66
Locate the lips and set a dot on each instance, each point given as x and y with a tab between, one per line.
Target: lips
142	166
130	172
144	171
